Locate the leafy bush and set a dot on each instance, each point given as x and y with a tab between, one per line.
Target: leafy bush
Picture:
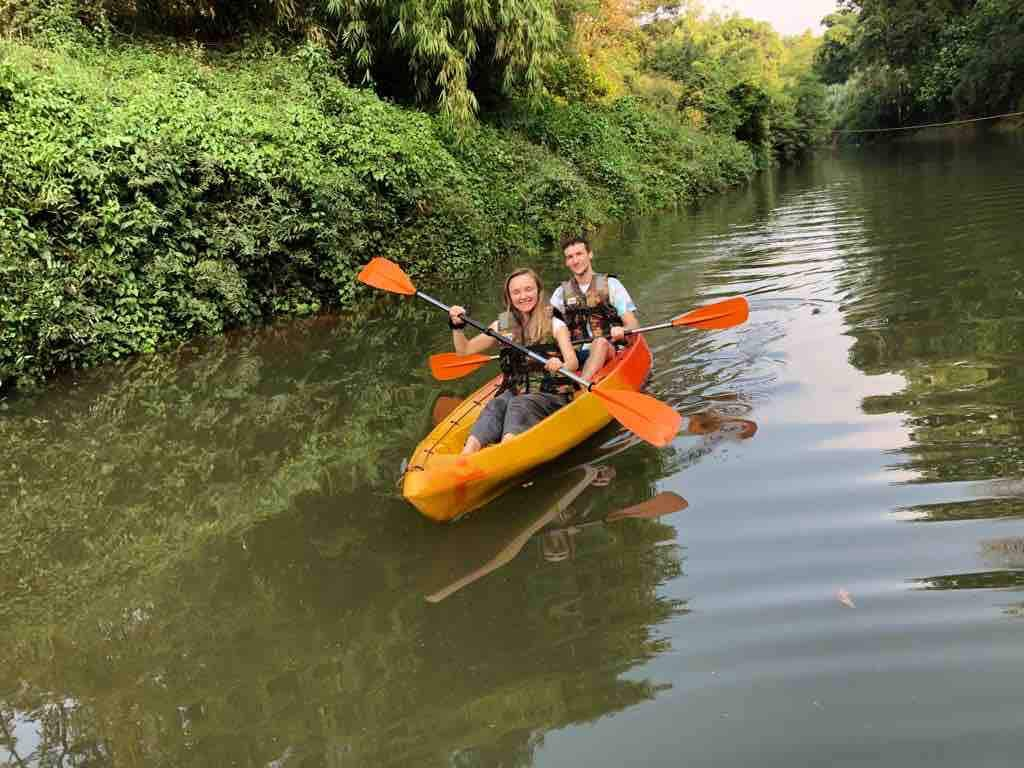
645	159
155	194
154	197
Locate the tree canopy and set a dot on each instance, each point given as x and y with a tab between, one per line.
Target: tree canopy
906	61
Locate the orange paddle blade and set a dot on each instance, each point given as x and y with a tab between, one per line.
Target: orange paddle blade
388	276
721	314
444	405
646	417
450	365
664	503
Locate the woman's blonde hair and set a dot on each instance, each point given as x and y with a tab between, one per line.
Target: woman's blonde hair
539	324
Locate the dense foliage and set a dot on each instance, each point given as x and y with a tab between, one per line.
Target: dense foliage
152	196
738	77
902	62
451	54
174	168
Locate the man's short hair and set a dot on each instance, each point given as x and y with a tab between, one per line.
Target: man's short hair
572	239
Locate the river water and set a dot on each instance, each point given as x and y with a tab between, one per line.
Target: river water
206	560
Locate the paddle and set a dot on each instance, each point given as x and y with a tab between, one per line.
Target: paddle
443	405
722	314
643	415
452	365
664	503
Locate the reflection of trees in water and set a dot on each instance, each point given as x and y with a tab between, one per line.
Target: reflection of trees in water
58	738
974	509
114	476
261	643
963	420
1007	553
978	580
205	559
938	303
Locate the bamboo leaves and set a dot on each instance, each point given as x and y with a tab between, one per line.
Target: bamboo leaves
448	47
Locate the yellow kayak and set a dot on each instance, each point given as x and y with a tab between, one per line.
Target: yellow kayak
443	485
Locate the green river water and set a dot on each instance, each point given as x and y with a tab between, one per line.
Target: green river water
206	561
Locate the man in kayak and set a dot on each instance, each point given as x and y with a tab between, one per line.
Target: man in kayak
528	392
596	307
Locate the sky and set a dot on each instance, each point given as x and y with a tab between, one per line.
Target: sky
789	17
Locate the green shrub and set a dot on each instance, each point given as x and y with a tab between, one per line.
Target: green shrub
154	197
155	194
645	159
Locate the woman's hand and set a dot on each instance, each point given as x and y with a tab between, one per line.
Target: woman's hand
455	316
554	364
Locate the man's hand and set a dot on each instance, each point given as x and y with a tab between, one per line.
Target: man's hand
618	333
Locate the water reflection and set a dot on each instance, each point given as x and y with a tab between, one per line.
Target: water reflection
233	577
206	560
496	538
218	587
269	643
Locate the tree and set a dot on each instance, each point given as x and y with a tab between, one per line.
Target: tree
834	60
453	53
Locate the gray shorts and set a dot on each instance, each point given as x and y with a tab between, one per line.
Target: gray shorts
510	414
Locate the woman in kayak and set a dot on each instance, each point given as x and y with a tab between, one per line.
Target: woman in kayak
528	391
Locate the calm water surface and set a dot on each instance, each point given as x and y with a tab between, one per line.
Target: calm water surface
206	561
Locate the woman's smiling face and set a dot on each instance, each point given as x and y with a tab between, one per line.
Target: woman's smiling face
522	293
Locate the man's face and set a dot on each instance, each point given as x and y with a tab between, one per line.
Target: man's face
578	258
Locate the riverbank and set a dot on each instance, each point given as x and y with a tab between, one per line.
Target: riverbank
154	194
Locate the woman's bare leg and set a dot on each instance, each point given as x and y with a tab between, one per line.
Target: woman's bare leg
472	445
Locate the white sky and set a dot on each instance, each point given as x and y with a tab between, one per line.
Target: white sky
788	17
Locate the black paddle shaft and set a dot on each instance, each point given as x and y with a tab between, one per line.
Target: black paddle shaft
502	340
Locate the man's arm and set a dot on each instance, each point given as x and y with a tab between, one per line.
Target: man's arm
628	321
623	303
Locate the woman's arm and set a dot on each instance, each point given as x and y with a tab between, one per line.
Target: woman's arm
464	346
569	361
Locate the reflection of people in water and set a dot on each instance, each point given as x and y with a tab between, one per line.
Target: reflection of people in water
558	543
515	530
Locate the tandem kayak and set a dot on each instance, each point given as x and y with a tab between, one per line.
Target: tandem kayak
444	485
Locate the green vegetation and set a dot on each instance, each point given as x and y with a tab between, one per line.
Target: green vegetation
904	62
739	78
179	167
